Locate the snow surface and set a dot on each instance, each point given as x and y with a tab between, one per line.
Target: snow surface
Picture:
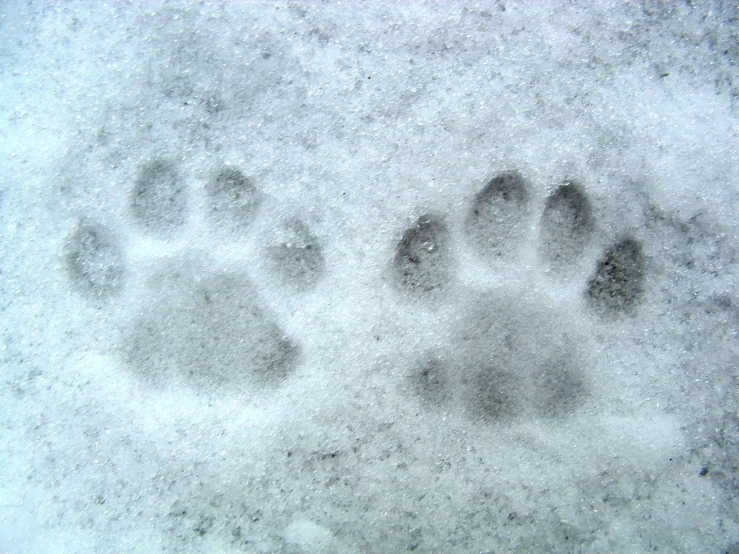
296	277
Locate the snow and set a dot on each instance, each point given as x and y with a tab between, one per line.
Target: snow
195	365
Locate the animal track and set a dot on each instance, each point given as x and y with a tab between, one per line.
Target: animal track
207	327
197	324
158	200
296	256
94	260
430	381
503	355
497	215
566	224
233	199
512	358
509	359
422	266
618	283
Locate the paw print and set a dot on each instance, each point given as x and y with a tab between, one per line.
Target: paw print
199	323
511	355
507	352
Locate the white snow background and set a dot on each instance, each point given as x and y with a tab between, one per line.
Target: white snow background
174	381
